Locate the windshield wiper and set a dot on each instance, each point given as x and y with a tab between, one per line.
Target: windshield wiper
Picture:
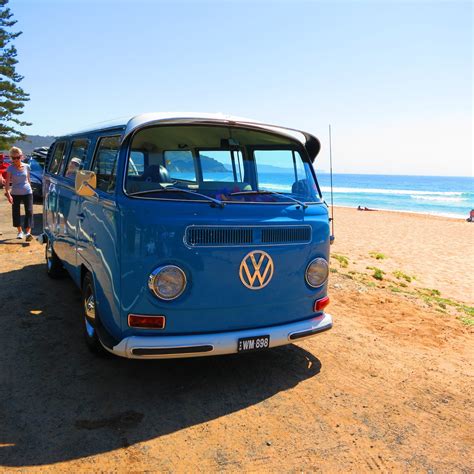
244	193
179	190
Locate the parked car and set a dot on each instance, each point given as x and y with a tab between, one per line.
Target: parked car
39	154
4	164
189	235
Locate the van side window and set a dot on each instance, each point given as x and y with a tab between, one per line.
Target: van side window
77	156
105	163
57	157
136	163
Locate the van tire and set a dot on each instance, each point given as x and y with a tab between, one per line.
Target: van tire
90	316
54	266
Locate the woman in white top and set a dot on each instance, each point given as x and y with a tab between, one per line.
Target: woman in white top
18	174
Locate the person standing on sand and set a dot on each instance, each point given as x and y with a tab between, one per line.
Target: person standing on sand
18	174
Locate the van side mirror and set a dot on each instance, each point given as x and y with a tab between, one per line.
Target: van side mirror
86	182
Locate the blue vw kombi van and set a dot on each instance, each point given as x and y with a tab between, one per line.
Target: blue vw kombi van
189	234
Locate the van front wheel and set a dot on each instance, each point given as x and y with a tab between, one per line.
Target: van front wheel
90	316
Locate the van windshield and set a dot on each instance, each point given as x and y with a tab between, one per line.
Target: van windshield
229	164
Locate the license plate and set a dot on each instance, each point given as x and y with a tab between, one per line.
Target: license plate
256	343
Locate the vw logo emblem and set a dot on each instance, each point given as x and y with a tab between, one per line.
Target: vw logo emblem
256	270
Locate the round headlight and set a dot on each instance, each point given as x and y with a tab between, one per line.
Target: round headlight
167	282
317	272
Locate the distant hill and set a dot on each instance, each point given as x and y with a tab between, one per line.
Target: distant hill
33	141
185	164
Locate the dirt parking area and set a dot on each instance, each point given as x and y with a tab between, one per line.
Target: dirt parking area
388	389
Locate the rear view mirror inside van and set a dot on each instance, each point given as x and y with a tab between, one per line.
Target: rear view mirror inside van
86	182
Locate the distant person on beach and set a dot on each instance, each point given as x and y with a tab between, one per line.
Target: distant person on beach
360	208
18	174
471	216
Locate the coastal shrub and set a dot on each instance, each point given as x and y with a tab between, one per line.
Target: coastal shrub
403	276
430	296
342	259
378	273
467	320
468	309
430	291
378	255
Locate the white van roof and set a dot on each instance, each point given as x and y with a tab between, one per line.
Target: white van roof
130	124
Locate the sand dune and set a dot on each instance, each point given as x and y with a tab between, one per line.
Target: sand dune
437	251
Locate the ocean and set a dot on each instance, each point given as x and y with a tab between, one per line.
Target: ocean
436	195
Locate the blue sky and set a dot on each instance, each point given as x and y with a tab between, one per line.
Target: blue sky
393	78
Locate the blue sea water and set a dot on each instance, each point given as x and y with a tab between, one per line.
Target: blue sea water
448	196
436	195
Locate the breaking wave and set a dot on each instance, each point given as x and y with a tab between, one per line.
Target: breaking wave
439	198
408	192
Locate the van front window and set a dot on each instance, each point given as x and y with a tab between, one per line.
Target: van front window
227	164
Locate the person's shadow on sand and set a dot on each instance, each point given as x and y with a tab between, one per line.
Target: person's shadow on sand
58	402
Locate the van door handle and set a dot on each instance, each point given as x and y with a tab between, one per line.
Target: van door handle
81	216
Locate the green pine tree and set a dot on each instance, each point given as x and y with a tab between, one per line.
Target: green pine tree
12	97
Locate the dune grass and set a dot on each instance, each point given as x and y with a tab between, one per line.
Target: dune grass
467	320
378	273
378	255
403	276
342	259
433	298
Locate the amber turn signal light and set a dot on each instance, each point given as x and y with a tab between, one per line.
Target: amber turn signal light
146	322
319	305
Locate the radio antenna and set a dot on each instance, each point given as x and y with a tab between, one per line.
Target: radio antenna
332	200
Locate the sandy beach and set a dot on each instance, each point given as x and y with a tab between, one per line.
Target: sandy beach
436	252
388	389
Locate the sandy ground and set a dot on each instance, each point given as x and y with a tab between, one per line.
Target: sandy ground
437	251
388	389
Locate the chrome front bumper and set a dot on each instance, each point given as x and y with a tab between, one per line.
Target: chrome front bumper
200	345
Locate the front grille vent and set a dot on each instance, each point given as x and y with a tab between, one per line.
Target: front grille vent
214	236
218	236
283	235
